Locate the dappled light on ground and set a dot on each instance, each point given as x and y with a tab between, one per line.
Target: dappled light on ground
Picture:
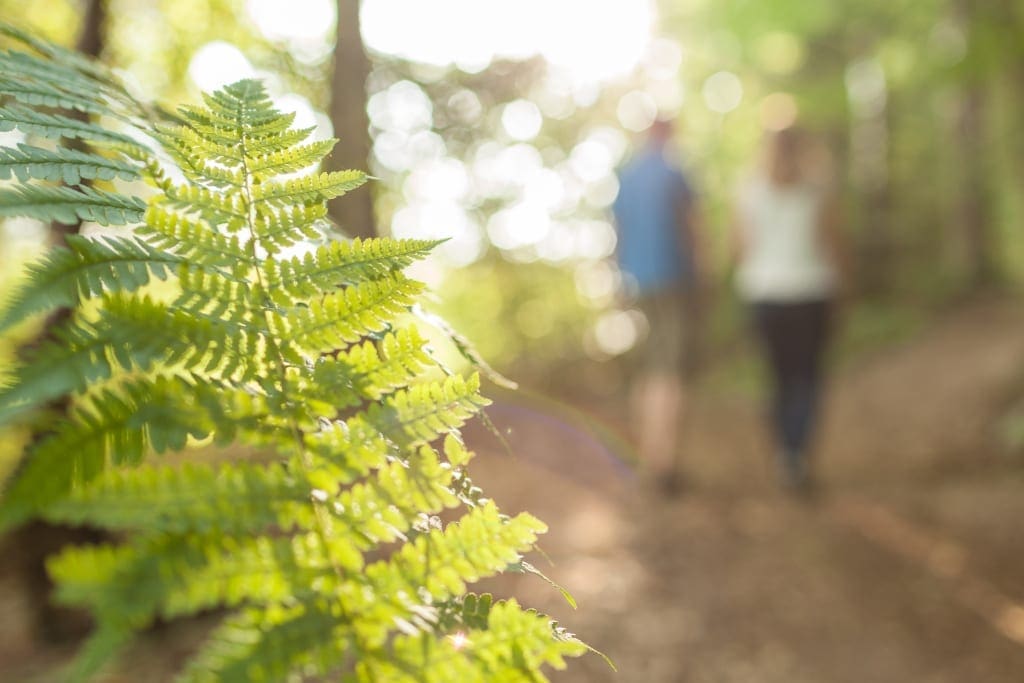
904	567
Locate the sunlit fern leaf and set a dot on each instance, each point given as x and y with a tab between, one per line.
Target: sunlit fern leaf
232	498
346	316
34	80
120	425
66	66
366	373
266	645
194	240
507	645
342	263
291	159
327	552
131	334
425	411
88	267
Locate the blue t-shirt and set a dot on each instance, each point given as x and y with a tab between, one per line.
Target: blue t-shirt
646	215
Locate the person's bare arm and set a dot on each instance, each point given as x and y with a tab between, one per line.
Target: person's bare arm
834	244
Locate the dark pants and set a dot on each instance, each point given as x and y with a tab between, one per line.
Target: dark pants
793	337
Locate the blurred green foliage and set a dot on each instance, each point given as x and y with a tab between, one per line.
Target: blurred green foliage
916	105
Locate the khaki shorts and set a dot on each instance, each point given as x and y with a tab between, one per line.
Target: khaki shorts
670	345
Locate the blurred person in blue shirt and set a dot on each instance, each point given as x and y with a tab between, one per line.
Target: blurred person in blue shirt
657	222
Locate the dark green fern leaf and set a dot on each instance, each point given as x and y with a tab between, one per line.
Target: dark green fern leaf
88	267
70	205
69	166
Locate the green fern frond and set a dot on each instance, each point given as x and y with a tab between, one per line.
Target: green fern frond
70	205
69	166
114	427
57	125
234	499
267	645
194	240
426	411
283	227
342	263
509	646
48	94
168	576
65	67
330	553
366	372
131	334
346	316
311	188
88	267
291	159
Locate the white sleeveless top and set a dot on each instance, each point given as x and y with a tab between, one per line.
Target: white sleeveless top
784	259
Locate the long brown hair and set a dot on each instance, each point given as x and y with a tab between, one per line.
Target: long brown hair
784	156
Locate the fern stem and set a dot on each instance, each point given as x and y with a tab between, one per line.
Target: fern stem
321	515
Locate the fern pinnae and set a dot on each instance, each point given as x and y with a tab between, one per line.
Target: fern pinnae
87	267
323	555
69	166
194	240
70	205
57	126
340	263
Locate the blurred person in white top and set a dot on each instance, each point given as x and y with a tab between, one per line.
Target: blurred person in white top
789	259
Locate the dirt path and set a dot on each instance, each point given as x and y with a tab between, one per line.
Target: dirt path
909	567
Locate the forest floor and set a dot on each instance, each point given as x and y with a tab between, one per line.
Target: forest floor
907	566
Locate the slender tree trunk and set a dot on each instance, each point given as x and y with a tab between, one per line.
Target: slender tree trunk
354	212
974	214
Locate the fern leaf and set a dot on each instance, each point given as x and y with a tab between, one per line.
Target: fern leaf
134	334
291	159
309	188
345	316
233	499
426	411
170	576
364	372
279	228
69	166
219	208
194	240
64	66
346	451
57	125
266	645
333	555
70	205
512	646
49	94
118	426
341	263
87	267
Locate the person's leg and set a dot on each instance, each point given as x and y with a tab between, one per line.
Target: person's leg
806	331
658	398
770	324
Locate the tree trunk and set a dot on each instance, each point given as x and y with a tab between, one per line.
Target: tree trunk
974	214
353	212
